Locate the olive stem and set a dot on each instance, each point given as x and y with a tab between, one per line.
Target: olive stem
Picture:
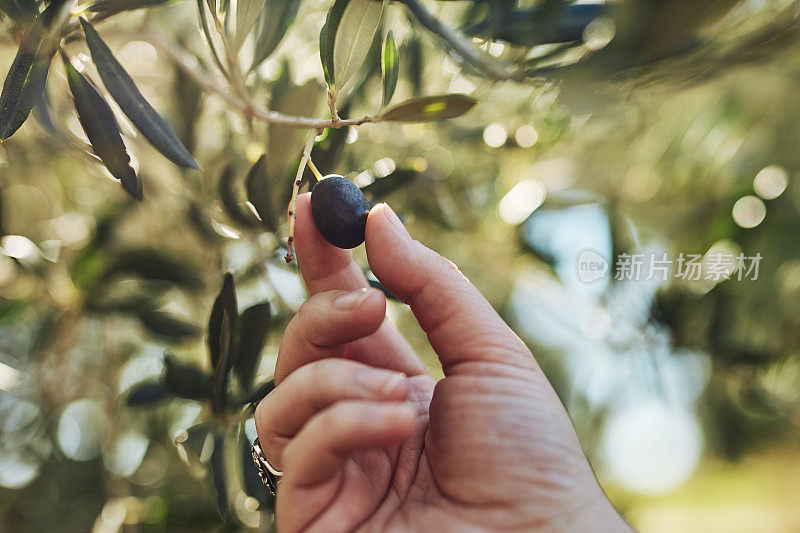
313	167
298	180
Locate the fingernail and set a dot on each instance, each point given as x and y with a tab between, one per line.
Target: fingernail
395	220
353	299
380	382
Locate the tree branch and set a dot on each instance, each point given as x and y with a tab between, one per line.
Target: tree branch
459	44
187	63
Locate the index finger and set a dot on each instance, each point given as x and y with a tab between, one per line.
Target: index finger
325	267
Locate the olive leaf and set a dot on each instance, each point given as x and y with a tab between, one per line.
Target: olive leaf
275	20
429	108
219	328
253	329
529	27
346	37
201	11
146	393
100	126
133	104
247	12
166	326
25	82
112	7
257	188
390	67
186	381
218	473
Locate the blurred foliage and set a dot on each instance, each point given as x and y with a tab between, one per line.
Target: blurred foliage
136	336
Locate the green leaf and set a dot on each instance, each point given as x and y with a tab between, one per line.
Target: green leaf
381	187
429	108
257	187
247	12
201	11
218	473
24	83
224	305
253	329
133	104
229	197
258	393
350	37
147	393
186	381
390	67
275	20
112	7
153	264
98	122
166	326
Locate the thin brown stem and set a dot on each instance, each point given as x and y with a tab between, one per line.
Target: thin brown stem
298	180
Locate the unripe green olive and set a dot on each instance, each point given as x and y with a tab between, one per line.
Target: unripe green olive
340	211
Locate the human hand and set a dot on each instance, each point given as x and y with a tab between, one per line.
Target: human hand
372	442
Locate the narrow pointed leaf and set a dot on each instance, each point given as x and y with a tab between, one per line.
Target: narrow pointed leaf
98	122
258	393
275	20
133	104
253	329
24	83
257	187
218	473
186	381
224	305
111	7
326	35
166	326
247	12
430	108
390	67
353	36
145	394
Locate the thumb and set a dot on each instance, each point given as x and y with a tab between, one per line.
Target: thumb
461	325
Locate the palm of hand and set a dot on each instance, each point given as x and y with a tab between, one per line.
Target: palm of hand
490	446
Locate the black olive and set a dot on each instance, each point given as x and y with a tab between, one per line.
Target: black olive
340	211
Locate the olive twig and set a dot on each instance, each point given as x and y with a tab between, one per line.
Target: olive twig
298	180
313	167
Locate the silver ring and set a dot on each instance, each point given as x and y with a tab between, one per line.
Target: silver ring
269	475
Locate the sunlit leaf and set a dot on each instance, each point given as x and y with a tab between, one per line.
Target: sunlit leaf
100	126
133	104
353	37
390	67
430	108
186	381
24	83
201	11
346	37
253	329
146	394
247	13
275	20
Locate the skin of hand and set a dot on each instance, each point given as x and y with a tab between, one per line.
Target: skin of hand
371	442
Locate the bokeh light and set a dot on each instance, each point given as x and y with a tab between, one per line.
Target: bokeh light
526	136
770	182
522	200
495	135
749	211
